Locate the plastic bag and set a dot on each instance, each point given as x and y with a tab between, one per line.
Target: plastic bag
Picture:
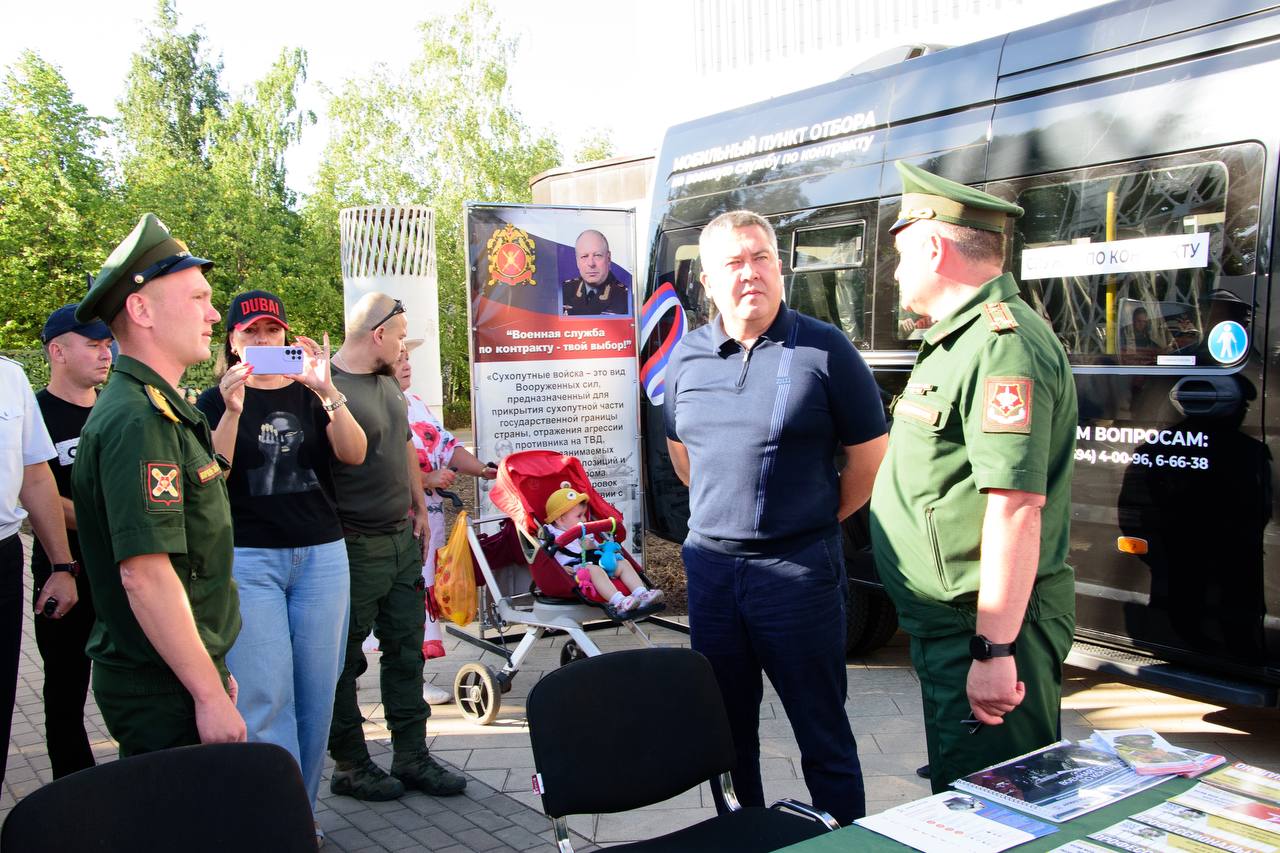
455	587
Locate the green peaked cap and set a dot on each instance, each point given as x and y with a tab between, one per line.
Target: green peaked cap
149	252
927	196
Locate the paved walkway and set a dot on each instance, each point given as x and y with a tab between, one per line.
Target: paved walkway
500	813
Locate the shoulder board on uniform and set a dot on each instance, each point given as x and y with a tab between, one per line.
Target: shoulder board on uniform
157	398
10	360
999	317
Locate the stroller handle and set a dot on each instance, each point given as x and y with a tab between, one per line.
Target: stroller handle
590	528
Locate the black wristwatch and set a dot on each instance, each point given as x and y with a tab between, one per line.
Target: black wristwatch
73	567
980	648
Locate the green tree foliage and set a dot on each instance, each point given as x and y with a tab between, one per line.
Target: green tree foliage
212	167
173	90
597	146
442	133
211	164
53	194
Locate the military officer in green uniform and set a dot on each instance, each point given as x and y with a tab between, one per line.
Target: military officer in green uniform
970	511
151	504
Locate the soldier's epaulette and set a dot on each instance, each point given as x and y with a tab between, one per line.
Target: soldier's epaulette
10	360
999	317
161	403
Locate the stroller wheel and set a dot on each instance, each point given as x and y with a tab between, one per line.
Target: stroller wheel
571	652
476	691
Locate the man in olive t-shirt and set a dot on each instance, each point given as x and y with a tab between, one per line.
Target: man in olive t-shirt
384	548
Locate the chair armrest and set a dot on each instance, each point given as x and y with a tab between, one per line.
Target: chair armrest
806	810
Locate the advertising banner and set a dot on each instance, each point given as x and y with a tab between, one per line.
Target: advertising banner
553	343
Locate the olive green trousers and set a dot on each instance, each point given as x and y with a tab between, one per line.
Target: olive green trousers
942	664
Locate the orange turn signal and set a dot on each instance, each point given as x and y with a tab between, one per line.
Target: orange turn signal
1131	545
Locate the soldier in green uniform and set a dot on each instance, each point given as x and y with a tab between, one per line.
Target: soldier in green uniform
970	511
151	504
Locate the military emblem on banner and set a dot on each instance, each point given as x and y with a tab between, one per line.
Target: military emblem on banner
511	257
1006	405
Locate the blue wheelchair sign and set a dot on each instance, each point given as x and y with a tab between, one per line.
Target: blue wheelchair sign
1227	342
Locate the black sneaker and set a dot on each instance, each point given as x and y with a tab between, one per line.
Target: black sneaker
364	780
419	770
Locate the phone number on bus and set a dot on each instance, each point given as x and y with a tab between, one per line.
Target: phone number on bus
1145	460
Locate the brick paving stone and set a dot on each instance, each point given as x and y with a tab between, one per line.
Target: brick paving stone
393	839
407	820
503	805
520	838
532	821
488	821
368	821
477	839
451	822
433	837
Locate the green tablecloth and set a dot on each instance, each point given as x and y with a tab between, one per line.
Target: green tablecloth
856	838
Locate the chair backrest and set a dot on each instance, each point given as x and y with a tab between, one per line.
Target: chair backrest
665	709
212	797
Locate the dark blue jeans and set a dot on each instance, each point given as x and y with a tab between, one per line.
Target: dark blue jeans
783	615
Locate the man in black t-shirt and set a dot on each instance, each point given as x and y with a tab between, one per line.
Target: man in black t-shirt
79	360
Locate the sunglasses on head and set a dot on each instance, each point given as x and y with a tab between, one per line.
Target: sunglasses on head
398	308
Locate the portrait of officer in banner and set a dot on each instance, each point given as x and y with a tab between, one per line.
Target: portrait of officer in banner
596	290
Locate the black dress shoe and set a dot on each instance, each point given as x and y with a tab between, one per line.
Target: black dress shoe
923	771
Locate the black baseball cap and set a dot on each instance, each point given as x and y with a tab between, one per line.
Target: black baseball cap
64	320
253	305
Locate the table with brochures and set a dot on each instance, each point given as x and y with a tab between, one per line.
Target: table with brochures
860	839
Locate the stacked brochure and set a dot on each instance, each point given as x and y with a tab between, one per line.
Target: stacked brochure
952	822
1248	780
1204	828
1058	782
1257	821
1150	754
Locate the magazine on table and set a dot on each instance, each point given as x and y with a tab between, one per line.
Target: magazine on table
1202	827
1148	753
1141	838
954	822
1239	814
1249	780
1059	781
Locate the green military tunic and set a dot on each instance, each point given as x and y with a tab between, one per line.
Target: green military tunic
146	481
990	404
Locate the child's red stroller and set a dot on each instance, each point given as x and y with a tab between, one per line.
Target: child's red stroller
525	481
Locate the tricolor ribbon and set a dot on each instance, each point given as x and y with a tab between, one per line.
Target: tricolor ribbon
653	371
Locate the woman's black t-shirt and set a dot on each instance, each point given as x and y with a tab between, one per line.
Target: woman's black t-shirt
281	483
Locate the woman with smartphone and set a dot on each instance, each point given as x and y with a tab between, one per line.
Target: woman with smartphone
280	432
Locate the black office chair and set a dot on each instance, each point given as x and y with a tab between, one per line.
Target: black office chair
671	693
213	797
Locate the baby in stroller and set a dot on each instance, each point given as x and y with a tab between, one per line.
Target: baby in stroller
591	561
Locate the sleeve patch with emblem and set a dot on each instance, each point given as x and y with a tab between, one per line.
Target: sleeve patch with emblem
162	484
1006	404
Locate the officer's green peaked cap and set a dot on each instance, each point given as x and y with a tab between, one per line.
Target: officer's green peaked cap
149	252
927	196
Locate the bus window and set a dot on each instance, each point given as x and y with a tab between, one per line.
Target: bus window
1137	263
678	265
827	278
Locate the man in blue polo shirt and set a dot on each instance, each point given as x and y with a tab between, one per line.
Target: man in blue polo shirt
760	402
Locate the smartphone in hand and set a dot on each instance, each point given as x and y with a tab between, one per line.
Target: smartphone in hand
268	360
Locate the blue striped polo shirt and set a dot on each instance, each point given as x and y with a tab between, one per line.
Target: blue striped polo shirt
763	428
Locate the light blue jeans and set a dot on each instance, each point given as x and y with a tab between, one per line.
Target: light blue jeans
294	605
